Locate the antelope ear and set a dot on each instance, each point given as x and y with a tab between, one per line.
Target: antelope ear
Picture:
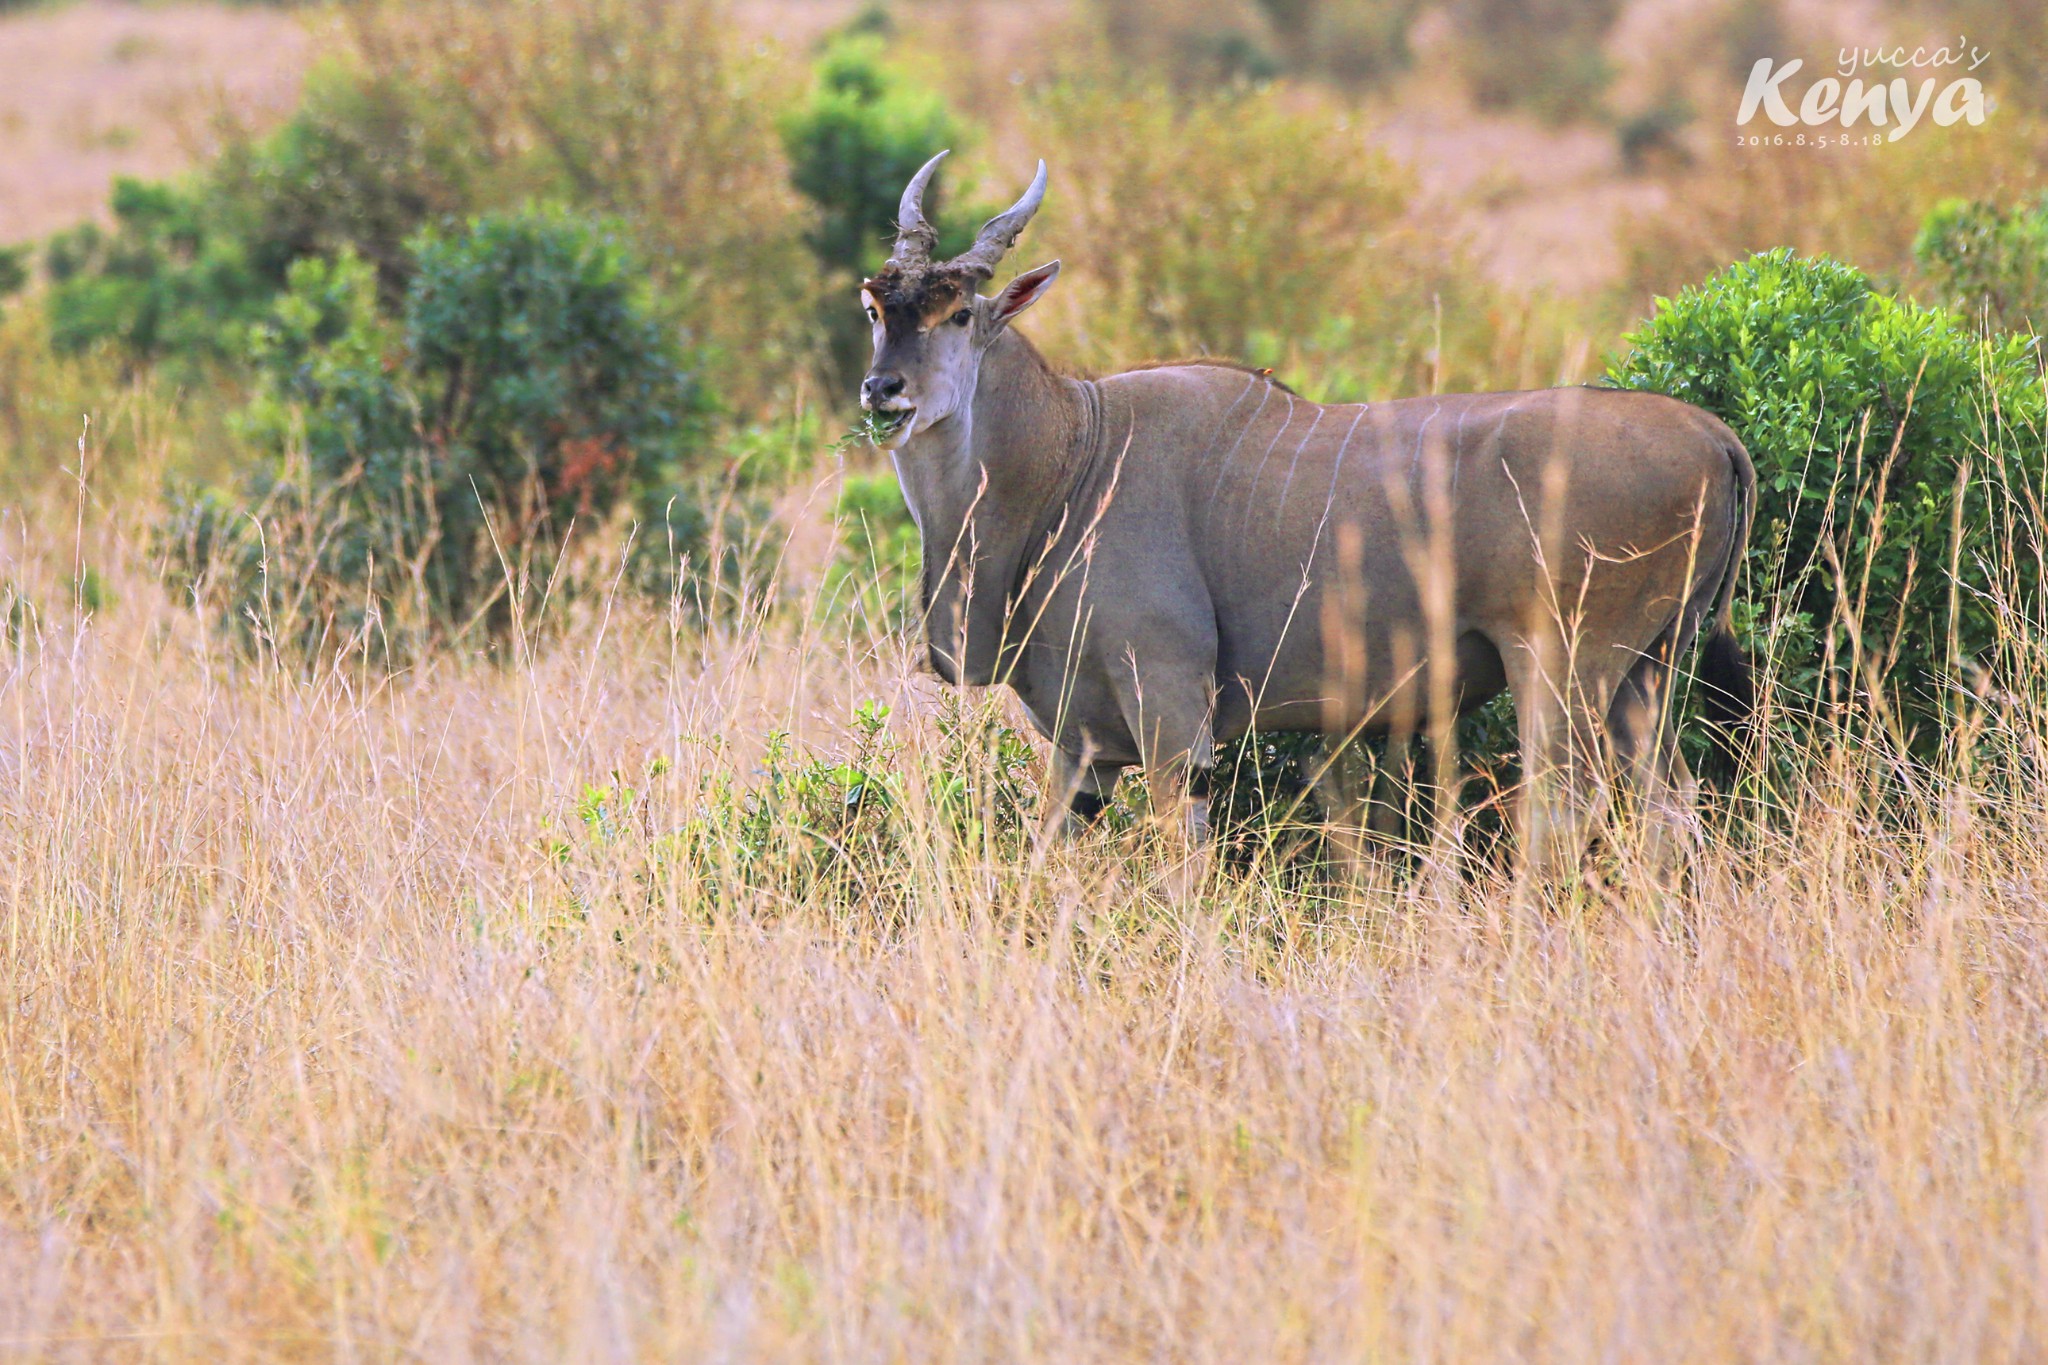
1027	289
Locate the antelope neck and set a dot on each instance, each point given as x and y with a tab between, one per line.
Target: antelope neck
1031	434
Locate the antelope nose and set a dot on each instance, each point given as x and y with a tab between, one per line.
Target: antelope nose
878	389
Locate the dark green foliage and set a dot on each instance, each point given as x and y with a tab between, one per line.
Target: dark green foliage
541	346
1655	135
1263	802
811	819
528	383
1274	795
329	366
855	142
14	264
357	168
844	827
987	791
853	145
1879	429
1991	263
873	20
190	266
171	278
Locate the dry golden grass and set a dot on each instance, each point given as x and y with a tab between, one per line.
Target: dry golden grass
329	1030
313	1047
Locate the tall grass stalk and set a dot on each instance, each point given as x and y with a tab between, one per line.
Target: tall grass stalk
370	1013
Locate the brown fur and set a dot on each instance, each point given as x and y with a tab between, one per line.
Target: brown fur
919	291
1170	556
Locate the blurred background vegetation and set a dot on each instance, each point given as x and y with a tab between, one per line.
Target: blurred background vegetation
398	359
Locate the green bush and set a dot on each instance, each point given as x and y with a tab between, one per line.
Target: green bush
430	113
190	266
814	824
14	265
1880	430
358	167
1991	263
839	828
853	144
171	278
1655	135
661	116
530	381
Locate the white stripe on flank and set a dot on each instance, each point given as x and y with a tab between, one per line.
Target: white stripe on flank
1223	465
1338	468
1415	464
1259	473
1298	448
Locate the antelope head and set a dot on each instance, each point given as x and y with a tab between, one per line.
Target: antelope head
931	323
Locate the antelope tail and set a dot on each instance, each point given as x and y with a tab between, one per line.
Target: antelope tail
1726	681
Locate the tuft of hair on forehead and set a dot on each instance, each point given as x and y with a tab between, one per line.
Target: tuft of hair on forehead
919	290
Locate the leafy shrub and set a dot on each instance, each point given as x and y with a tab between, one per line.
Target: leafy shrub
360	166
1264	802
654	114
853	144
191	265
529	382
1207	224
1880	431
813	820
841	826
430	112
14	263
1988	261
170	278
1655	134
859	136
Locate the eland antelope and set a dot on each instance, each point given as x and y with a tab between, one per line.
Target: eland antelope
1164	558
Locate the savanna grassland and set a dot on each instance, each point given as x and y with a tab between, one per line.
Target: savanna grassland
335	1028
552	914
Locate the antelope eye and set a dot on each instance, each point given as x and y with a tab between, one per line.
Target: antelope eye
873	316
961	318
